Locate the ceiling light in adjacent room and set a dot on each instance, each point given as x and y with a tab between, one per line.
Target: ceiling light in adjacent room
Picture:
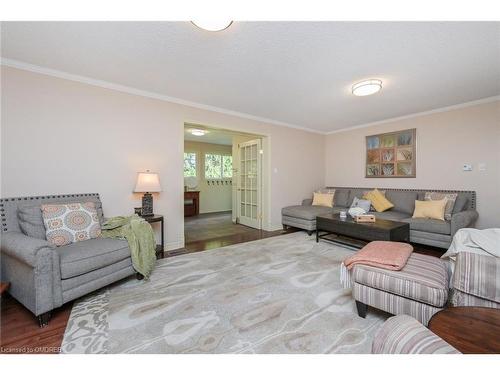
197	132
368	87
212	24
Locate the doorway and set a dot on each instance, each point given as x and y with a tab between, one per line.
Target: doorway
223	186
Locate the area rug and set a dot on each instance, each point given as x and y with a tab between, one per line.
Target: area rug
277	295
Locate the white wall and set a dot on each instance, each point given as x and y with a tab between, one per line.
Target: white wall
445	141
213	197
60	136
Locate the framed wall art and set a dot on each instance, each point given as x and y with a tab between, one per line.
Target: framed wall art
391	154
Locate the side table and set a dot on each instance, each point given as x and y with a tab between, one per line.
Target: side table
469	329
160	249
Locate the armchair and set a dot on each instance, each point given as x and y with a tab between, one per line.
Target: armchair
44	277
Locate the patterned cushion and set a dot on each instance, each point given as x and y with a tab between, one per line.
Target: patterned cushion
72	222
477	275
450	201
424	278
403	334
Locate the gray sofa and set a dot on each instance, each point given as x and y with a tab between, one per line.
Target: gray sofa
43	276
425	231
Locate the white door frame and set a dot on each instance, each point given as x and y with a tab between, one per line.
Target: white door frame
249	184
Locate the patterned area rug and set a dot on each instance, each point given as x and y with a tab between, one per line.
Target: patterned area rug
277	295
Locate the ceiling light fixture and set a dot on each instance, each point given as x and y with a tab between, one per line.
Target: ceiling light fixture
198	132
212	24
368	87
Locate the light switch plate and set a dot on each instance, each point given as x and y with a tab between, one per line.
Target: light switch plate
467	167
481	167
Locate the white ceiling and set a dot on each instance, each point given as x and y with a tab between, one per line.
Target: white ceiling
212	136
299	73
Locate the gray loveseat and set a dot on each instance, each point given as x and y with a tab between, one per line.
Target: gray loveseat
425	231
43	276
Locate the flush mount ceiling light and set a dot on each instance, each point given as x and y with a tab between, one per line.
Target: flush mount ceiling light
368	87
212	24
197	132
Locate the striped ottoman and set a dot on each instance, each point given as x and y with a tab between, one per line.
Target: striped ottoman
420	289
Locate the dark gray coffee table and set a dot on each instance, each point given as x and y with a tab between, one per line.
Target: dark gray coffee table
380	230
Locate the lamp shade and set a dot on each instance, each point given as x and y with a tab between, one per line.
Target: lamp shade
147	182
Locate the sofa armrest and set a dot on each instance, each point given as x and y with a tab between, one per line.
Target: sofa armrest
22	247
403	334
463	219
307	202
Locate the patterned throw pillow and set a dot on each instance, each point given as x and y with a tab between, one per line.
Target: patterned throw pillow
450	203
71	222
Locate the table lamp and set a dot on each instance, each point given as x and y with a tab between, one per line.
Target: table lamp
147	183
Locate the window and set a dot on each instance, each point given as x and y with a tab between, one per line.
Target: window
189	164
227	166
218	166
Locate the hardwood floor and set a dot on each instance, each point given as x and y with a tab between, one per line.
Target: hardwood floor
19	330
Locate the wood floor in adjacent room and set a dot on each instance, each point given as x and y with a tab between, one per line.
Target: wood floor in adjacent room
19	330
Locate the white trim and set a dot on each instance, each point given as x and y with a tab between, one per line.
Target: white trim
419	114
148	94
174	245
271	227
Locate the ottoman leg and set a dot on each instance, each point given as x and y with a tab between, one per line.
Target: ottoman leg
362	309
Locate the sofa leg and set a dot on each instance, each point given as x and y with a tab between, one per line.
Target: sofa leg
362	309
138	276
43	319
310	232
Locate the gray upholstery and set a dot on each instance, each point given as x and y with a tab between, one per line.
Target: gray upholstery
342	197
44	277
81	257
424	231
429	225
31	222
403	201
305	212
390	215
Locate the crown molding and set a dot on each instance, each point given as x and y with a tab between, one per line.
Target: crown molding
148	94
419	114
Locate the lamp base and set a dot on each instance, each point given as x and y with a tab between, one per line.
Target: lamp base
147	205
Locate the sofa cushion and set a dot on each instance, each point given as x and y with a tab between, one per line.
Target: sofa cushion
429	225
460	203
342	198
31	221
306	212
391	215
403	201
424	279
84	256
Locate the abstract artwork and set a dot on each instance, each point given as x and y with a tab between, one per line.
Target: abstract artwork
391	154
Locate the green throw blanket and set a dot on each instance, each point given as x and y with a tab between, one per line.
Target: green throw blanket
140	238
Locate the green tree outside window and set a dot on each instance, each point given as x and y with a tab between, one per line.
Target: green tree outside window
189	164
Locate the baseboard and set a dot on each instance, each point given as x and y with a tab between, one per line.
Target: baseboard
270	227
174	245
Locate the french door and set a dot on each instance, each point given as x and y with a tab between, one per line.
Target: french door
249	189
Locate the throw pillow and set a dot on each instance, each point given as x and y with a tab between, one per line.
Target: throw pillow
31	221
430	209
362	203
450	204
366	192
71	222
379	201
323	199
